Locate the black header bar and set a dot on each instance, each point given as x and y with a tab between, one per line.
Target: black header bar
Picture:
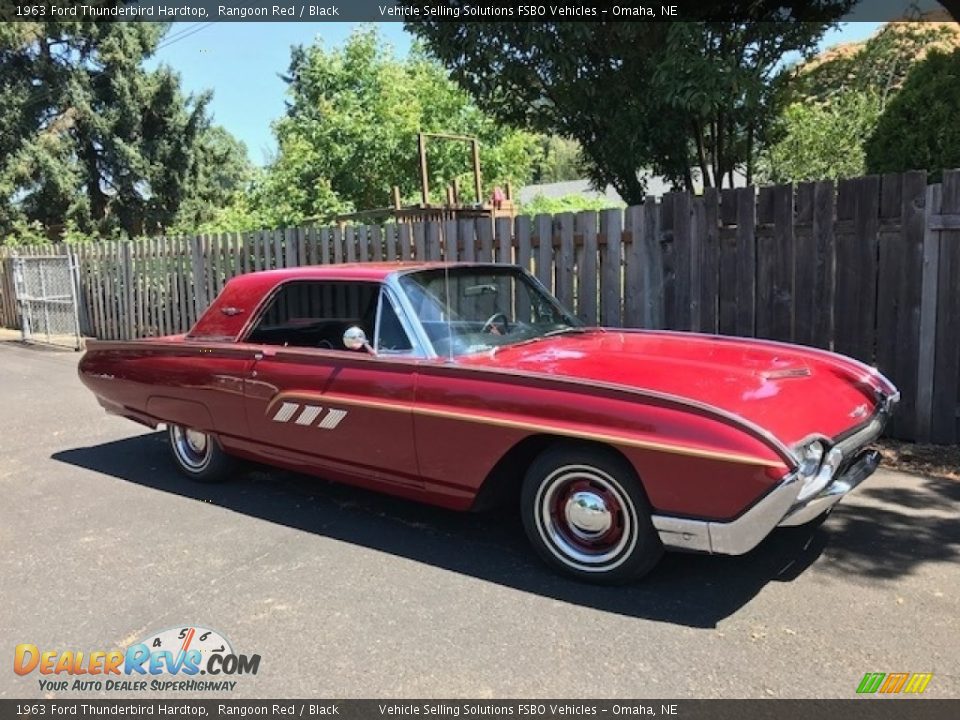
457	10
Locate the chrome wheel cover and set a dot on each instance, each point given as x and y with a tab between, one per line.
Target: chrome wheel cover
586	518
192	447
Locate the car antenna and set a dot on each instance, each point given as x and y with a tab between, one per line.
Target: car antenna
446	288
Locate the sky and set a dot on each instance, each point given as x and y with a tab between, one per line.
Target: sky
242	64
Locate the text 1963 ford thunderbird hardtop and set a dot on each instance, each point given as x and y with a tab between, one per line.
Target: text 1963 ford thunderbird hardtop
457	384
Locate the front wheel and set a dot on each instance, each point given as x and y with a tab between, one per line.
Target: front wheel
199	455
586	515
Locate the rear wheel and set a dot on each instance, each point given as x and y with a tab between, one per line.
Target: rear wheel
199	455
586	515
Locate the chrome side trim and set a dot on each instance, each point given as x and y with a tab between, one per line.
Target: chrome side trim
682	534
712	411
865	435
778	509
733	538
746	532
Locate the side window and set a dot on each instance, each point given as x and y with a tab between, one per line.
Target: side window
315	314
391	336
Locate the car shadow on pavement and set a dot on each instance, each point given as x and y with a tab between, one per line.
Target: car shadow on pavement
885	532
685	589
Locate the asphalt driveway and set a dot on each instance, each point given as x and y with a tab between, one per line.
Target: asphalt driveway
345	593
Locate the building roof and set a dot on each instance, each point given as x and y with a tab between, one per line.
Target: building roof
657	186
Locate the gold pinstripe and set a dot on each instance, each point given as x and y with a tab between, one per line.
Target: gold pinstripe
518	425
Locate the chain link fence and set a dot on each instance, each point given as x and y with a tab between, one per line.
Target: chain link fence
46	293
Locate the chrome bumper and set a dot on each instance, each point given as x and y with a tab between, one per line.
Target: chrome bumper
783	506
862	468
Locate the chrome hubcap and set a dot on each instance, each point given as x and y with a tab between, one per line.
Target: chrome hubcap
192	447
197	441
587	514
586	518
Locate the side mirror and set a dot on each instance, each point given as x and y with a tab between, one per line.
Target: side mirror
354	338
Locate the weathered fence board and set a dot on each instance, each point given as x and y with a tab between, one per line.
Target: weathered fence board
824	261
746	261
946	382
611	270
585	224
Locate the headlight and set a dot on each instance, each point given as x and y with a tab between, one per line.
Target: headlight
810	458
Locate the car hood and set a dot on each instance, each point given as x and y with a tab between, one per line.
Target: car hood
788	390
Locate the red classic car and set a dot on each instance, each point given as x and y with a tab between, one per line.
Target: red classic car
465	385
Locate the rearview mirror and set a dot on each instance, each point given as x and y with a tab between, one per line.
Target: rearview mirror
354	338
475	290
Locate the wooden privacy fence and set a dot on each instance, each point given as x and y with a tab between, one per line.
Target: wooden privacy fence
869	267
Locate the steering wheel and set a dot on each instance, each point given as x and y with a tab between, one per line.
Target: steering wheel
489	325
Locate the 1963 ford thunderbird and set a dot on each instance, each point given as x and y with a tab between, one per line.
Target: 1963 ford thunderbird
468	385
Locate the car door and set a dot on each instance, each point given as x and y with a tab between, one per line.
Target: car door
313	404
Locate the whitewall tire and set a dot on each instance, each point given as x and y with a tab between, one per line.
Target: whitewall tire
198	454
586	515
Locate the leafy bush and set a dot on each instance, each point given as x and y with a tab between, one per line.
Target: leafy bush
26	233
541	205
919	129
821	140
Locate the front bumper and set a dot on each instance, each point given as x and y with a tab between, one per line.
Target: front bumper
794	501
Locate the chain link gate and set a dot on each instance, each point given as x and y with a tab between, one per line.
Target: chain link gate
46	291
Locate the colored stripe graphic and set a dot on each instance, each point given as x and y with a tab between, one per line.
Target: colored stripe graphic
894	682
918	682
332	419
308	415
285	412
871	682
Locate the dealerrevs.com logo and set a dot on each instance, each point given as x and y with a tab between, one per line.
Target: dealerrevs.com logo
187	659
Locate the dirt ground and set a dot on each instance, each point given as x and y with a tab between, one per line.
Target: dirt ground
941	461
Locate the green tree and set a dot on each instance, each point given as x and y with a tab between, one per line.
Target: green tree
877	66
350	132
561	159
668	97
918	129
837	97
92	139
821	140
219	176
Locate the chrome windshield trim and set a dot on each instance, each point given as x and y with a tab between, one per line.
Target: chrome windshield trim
408	317
390	295
393	282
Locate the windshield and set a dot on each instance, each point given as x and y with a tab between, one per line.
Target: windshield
472	309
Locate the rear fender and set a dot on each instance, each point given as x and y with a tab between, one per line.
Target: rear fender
181	412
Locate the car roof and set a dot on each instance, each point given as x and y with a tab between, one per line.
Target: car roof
248	290
368	271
